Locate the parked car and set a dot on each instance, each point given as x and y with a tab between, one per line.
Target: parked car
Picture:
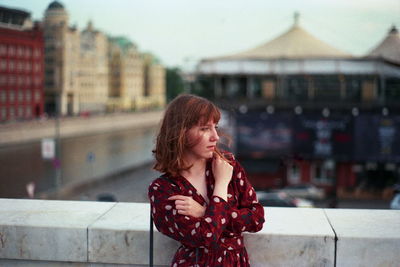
395	203
307	191
281	199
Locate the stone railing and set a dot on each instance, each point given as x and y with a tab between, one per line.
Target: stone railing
82	233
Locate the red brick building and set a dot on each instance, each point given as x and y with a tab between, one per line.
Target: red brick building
21	66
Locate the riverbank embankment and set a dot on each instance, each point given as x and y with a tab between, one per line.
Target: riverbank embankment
29	131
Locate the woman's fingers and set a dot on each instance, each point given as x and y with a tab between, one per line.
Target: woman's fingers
178	197
180	202
183	212
180	207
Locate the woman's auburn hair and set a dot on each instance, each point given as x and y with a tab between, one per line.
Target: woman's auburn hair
182	113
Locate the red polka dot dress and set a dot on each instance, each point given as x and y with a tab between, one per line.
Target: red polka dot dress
218	235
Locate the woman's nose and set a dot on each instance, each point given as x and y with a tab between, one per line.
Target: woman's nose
215	136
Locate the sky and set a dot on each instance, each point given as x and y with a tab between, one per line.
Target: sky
181	32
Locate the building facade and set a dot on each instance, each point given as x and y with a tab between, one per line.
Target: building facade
307	112
93	70
62	61
126	74
154	94
21	66
88	72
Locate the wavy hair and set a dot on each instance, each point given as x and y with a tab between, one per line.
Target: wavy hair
182	113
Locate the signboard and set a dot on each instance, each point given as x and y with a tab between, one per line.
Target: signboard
263	135
377	138
320	137
48	148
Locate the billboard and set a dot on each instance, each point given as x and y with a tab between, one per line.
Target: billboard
377	138
319	137
260	134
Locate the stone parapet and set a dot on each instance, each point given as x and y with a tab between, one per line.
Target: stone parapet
83	233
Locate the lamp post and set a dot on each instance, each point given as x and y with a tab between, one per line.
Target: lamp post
57	160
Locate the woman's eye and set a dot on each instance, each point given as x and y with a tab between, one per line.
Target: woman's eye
204	128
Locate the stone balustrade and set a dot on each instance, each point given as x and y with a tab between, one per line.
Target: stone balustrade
83	233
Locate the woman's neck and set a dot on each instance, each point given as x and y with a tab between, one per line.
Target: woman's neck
197	170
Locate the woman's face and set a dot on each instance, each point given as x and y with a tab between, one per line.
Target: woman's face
204	138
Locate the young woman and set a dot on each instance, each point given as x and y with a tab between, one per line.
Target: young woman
203	199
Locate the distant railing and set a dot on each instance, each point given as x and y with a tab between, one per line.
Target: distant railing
62	233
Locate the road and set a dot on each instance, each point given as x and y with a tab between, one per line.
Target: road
132	187
127	187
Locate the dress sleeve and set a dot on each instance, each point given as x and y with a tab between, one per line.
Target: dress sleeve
248	216
195	232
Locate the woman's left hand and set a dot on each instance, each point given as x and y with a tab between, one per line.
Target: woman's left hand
188	206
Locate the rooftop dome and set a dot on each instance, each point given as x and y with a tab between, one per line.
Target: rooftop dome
295	43
55	5
389	48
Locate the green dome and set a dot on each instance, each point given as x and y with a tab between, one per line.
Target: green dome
55	5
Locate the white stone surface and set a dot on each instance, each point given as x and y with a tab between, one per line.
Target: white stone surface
292	237
77	233
28	263
366	237
47	230
122	236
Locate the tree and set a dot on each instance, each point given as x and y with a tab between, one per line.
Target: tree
174	83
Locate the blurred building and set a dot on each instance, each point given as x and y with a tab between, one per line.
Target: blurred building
154	94
126	74
62	61
93	70
137	80
89	72
308	112
21	66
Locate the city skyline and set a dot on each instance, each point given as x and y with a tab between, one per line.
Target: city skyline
176	33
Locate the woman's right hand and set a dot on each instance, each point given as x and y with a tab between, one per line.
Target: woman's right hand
222	171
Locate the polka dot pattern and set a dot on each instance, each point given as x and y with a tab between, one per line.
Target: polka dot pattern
222	223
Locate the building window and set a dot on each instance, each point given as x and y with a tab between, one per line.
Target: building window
3	96
37	95
11	50
28	96
20	51
12	96
20	95
20	112
11	65
293	173
324	172
11	111
37	67
28	66
20	80
20	66
3	113
28	52
36	53
28	112
3	80
28	81
3	64
37	81
11	80
3	50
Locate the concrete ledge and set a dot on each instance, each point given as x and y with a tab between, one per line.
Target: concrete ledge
366	237
47	230
78	233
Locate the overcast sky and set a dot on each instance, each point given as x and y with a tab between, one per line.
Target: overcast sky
180	32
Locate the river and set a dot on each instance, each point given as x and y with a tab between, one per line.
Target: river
83	158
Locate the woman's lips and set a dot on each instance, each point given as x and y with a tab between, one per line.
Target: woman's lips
211	147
